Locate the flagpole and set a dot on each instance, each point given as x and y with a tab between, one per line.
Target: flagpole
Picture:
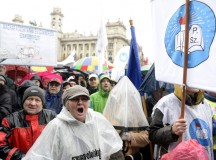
101	45
143	99
185	62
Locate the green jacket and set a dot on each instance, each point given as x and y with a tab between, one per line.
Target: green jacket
98	99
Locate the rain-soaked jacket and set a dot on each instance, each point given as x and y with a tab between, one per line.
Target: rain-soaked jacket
19	131
98	100
66	138
198	116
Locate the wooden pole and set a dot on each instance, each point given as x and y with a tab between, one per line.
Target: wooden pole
185	62
144	107
146	114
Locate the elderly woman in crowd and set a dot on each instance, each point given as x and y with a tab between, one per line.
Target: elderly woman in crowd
77	132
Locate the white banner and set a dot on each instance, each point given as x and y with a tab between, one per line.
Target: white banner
101	45
120	62
169	27
27	45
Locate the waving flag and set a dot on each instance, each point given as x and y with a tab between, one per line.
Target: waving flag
169	29
101	45
133	69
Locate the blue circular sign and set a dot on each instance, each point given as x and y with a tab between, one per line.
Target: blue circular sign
123	57
201	34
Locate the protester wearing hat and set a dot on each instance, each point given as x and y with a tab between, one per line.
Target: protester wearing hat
37	80
92	83
77	132
20	130
72	81
54	94
82	80
20	92
8	98
65	85
45	81
99	98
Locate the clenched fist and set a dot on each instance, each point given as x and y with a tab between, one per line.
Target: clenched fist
179	126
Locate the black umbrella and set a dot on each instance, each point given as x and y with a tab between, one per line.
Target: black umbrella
150	84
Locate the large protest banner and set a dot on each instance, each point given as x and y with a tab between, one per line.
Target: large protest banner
169	27
27	45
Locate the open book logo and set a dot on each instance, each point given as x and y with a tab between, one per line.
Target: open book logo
195	38
201	34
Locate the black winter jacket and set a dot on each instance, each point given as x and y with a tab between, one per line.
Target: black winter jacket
5	102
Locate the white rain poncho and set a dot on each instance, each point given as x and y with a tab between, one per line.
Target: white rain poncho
65	138
124	107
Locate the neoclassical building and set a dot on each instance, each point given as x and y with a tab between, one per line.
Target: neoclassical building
85	45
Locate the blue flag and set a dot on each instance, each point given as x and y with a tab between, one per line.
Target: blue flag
133	68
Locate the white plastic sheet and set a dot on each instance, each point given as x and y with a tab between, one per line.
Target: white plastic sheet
124	106
65	138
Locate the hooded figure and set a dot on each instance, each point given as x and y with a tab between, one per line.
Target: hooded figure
37	80
99	98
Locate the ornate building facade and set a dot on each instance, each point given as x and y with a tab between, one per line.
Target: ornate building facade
85	45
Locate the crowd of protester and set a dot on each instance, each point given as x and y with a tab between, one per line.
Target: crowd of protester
69	111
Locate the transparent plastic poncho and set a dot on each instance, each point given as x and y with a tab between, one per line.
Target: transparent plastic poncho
124	107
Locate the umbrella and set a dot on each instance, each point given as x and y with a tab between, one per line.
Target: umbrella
16	71
41	69
27	77
91	64
150	84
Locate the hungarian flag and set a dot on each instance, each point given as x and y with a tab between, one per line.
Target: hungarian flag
169	38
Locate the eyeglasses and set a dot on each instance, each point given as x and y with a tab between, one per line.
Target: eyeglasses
56	84
82	98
